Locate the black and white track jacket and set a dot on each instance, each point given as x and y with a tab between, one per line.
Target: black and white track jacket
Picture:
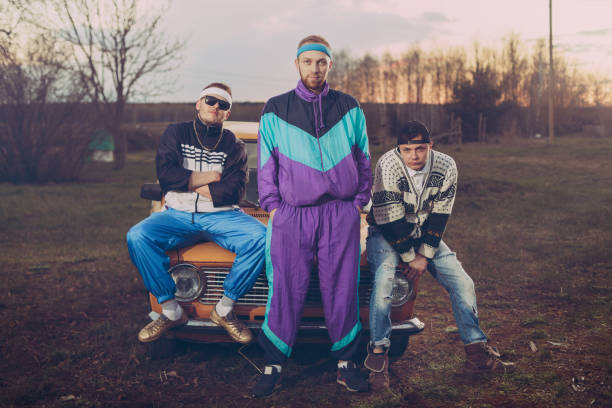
180	153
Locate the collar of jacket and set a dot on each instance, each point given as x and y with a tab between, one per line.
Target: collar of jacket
207	133
309	96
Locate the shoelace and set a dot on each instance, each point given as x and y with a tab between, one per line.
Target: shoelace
492	351
156	325
233	321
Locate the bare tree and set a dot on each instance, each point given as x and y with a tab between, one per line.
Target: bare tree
116	45
601	90
367	74
536	87
415	74
389	83
43	125
435	67
339	75
514	67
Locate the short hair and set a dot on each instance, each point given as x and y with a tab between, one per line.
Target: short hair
411	130
317	39
220	85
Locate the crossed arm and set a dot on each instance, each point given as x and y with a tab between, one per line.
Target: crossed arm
222	189
199	181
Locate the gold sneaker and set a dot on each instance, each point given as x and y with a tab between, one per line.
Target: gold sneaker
233	326
159	326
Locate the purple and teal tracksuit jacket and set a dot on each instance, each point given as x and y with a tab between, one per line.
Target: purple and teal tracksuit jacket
314	169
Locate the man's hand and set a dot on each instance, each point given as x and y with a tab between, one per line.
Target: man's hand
205	191
214	176
404	269
417	266
203	178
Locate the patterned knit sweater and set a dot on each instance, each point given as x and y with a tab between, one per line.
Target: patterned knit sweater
410	221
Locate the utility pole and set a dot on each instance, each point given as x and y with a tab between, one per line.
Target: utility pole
551	82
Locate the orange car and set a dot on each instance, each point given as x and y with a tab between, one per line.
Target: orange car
199	272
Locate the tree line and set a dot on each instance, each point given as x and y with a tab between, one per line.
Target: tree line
507	86
68	67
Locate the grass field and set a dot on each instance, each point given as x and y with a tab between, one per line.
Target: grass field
532	225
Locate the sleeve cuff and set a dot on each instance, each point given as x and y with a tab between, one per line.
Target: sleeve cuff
408	256
221	195
427	251
271	205
361	201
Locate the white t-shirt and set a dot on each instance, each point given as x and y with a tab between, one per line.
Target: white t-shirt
418	176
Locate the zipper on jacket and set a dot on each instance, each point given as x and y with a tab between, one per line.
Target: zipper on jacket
316	126
320	152
195	210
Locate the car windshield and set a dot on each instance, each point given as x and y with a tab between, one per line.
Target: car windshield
251	190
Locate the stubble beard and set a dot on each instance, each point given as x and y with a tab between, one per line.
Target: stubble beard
313	85
205	119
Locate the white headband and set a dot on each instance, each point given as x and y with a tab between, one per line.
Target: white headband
217	91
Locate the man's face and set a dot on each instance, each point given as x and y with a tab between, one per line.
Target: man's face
211	115
415	155
313	67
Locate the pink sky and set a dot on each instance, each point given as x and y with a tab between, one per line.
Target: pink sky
251	44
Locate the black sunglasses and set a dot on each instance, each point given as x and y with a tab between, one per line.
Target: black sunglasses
212	101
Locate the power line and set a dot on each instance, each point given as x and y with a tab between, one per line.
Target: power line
195	72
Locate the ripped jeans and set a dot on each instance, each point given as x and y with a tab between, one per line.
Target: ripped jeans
383	260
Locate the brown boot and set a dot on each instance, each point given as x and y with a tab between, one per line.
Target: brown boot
482	358
378	364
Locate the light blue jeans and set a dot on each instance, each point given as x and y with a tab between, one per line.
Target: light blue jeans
447	270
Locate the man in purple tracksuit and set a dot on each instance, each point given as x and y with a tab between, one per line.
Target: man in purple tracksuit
314	177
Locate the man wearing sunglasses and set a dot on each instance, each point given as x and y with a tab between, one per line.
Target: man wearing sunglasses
314	177
202	169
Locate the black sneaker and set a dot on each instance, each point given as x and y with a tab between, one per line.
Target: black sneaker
267	382
352	379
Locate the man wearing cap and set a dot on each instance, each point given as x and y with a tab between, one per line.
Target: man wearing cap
314	177
413	195
202	170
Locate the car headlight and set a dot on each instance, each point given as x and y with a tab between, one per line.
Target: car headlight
188	283
402	291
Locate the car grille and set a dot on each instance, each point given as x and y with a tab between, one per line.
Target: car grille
258	295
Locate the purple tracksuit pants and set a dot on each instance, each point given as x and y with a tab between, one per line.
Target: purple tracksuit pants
297	236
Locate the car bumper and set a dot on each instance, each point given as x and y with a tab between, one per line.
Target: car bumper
205	331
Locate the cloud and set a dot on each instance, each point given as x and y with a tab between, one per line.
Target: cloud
435	17
575	48
277	23
602	31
